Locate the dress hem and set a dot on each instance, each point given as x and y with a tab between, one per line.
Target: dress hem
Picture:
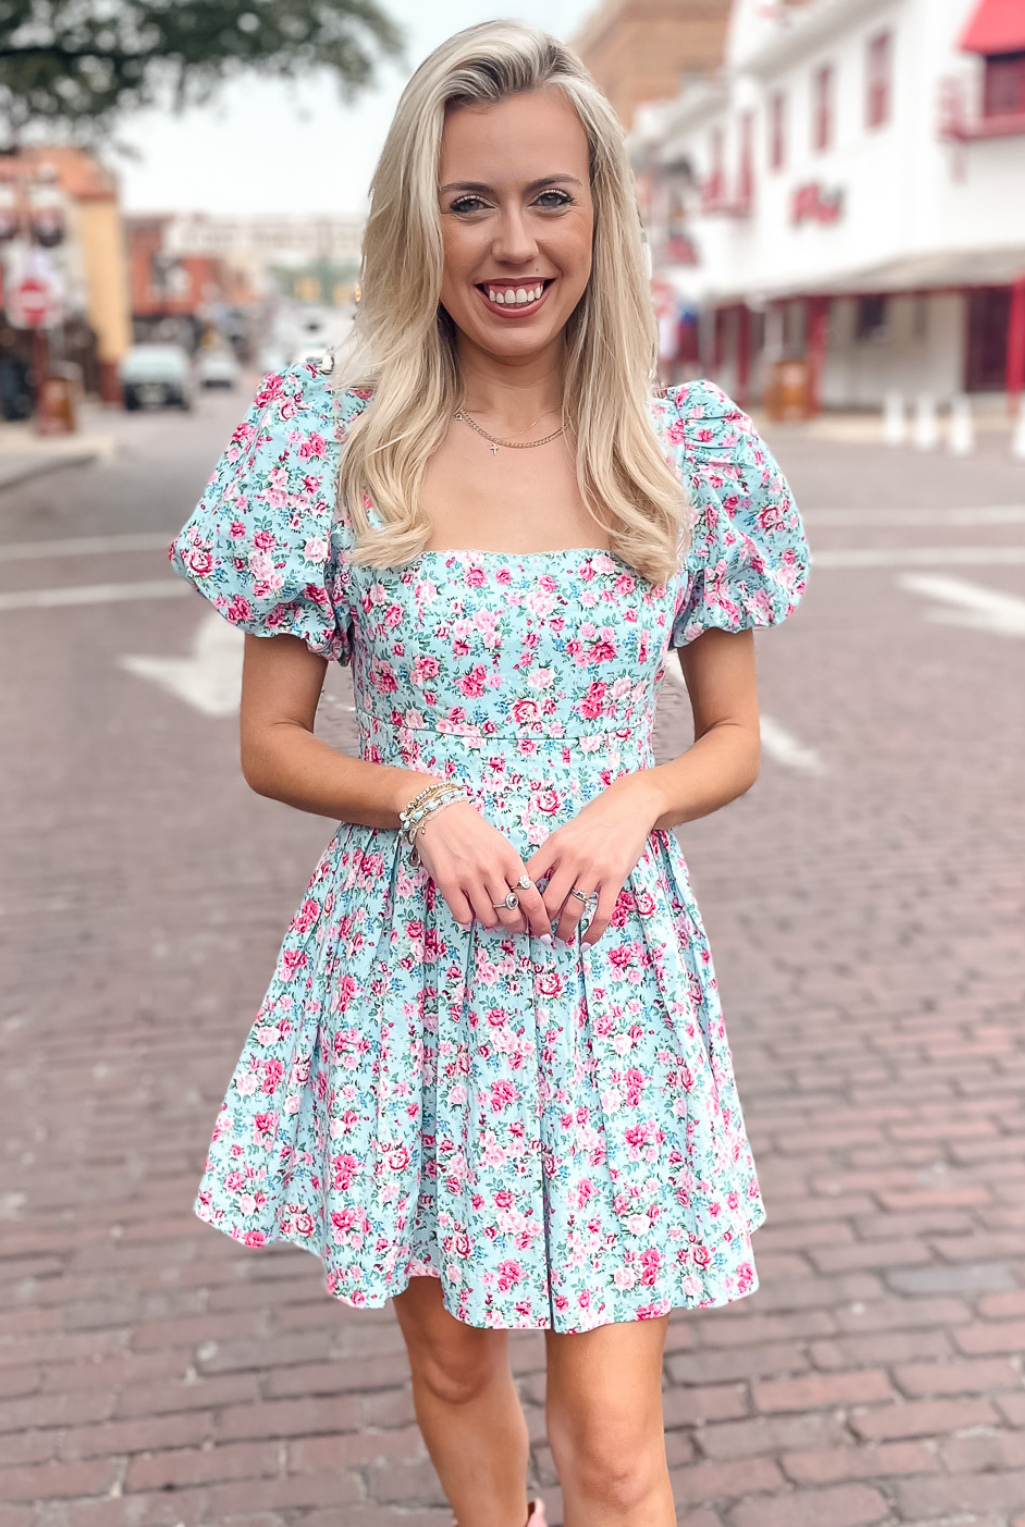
373	1302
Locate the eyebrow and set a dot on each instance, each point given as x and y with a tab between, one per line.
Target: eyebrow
479	185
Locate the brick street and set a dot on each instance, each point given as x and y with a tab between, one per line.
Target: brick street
864	904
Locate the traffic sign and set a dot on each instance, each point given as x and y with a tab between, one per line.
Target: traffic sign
33	303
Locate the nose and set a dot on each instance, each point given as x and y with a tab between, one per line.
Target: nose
514	243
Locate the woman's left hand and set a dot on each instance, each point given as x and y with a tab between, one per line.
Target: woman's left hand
595	851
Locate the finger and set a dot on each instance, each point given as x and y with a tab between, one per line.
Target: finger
459	906
572	912
556	892
484	912
532	904
509	918
602	916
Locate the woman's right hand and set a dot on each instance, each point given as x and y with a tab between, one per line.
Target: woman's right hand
474	865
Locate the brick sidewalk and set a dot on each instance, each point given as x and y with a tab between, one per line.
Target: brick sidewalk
867	927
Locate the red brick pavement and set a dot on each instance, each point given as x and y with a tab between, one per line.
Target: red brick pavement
867	926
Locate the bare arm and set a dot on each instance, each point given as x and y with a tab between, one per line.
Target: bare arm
470	861
600	846
719	668
283	758
724	758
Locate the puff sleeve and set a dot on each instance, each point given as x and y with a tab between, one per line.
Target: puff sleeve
263	544
748	560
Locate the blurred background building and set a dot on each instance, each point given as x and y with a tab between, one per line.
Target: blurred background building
61	232
839	209
642	50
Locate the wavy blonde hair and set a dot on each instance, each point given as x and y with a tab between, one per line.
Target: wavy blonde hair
404	343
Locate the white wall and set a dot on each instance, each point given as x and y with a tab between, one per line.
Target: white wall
921	351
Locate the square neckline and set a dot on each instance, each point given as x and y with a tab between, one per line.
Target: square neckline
519	556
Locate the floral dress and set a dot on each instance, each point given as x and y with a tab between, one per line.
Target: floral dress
552	1130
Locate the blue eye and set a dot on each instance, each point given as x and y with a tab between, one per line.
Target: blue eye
563	199
464	204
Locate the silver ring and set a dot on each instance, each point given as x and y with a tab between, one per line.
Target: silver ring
592	896
524	882
511	901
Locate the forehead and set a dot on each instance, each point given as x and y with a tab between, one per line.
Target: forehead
514	141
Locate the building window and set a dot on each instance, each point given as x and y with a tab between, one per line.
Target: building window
777	131
879	74
715	180
746	175
1003	91
871	318
822	109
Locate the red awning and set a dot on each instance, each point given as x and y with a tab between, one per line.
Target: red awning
996	26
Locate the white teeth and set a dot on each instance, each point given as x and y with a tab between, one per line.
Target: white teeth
517	297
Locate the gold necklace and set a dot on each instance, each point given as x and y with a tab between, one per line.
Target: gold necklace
511	445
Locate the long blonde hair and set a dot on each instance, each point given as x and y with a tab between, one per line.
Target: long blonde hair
403	342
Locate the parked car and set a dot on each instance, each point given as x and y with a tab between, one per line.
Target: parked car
157	374
217	368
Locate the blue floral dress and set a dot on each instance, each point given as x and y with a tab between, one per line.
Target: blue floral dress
552	1130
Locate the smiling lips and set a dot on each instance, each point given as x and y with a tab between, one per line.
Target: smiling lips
512	298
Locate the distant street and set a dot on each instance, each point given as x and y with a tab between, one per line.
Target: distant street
865	906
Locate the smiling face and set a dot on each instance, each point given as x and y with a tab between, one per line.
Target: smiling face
517	221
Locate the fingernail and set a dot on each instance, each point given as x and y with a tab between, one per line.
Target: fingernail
466	927
546	938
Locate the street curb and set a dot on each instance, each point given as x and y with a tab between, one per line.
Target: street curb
24	468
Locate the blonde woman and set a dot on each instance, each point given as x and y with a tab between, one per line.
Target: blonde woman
490	1079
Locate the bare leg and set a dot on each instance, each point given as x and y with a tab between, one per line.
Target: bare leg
604	1410
467	1409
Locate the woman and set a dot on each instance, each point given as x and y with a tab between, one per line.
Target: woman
489	1079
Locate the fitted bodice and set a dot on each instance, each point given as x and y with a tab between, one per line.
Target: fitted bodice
535	661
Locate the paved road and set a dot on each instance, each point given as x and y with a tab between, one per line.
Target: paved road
865	906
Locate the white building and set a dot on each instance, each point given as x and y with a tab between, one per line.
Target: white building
850	194
253	243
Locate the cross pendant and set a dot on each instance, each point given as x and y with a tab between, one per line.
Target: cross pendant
494	450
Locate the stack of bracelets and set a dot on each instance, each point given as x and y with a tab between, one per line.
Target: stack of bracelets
415	813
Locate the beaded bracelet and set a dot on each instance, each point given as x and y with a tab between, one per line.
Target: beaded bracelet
414	814
422	795
437	804
414	809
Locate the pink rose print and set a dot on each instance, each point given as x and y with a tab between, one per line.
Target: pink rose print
416	1098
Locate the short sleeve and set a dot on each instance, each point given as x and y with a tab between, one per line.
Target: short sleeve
748	560
263	544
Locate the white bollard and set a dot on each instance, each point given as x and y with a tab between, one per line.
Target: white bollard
894	427
961	440
1018	438
927	433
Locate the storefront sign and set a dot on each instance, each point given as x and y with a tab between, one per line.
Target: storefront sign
813	204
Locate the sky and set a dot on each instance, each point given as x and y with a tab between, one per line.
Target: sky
270	146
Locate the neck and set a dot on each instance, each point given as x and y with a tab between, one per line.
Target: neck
511	395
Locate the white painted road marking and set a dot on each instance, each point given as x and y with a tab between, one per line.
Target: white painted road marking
784	748
854	558
968	604
92	593
1000	514
210	679
146	540
777	741
86	546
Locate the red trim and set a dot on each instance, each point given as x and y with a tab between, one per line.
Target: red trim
743	353
996	26
818	316
1016	341
822	109
878	72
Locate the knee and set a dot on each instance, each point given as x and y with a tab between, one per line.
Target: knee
455	1374
616	1465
